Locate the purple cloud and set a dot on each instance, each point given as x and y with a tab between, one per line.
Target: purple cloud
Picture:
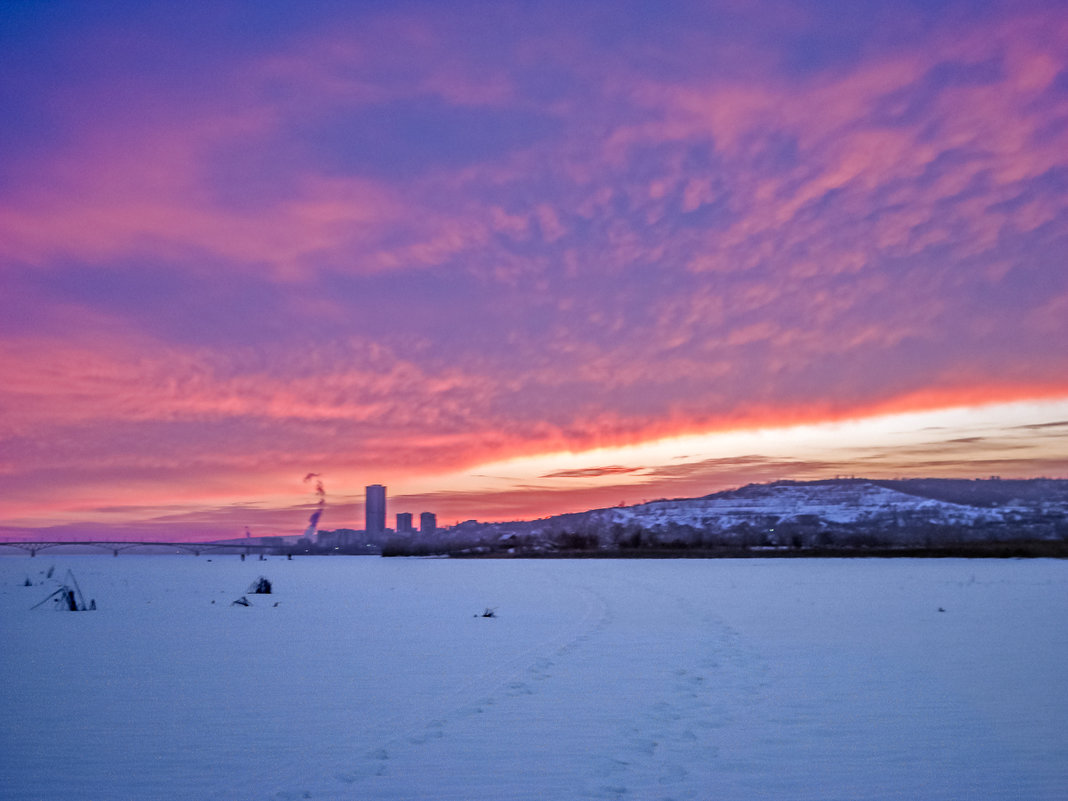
450	237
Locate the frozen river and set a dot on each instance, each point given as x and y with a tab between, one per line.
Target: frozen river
637	679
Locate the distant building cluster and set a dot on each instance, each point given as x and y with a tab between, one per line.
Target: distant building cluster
375	530
428	523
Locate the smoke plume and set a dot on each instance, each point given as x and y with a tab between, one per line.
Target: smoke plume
313	521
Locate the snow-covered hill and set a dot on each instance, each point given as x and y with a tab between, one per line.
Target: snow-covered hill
789	513
833	502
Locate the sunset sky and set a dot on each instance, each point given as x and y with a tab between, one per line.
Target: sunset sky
513	259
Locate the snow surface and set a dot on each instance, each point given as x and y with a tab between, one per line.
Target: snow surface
638	679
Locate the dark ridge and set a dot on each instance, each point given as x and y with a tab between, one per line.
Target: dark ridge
982	492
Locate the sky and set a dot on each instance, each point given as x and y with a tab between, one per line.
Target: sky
513	259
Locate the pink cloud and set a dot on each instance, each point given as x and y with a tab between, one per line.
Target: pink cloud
707	242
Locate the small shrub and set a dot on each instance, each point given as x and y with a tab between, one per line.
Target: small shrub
68	597
260	586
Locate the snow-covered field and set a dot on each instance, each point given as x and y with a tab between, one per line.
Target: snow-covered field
637	679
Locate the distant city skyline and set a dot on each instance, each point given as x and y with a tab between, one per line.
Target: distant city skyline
511	260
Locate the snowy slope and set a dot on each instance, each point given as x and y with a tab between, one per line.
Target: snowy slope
843	511
845	502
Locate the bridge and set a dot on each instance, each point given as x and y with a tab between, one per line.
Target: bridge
195	548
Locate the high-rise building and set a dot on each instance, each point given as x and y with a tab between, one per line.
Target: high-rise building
404	523
375	509
428	523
